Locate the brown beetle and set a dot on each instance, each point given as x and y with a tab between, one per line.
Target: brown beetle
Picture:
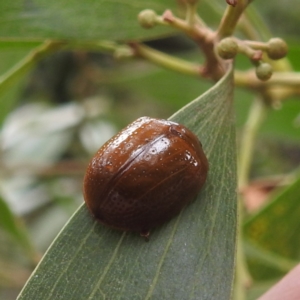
144	175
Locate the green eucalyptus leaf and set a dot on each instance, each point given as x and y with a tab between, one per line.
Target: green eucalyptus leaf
15	228
11	53
73	19
270	230
190	257
8	222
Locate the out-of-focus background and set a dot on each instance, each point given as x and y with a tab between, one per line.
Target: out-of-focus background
64	109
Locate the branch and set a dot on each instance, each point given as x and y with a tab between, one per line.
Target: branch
167	61
231	18
248	79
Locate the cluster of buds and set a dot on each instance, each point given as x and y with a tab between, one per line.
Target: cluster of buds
260	53
275	49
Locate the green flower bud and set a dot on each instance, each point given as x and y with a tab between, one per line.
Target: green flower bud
277	48
227	48
147	18
264	71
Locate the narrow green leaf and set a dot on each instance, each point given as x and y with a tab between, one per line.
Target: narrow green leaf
190	257
267	258
73	19
8	221
270	229
11	54
13	226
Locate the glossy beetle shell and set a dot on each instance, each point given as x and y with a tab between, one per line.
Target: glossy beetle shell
144	175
